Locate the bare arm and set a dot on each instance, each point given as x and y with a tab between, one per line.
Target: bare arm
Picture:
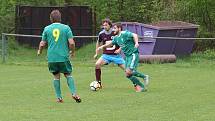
135	36
104	46
72	46
118	51
97	51
41	46
97	45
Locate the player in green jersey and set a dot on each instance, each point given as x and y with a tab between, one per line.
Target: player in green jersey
61	45
110	54
128	42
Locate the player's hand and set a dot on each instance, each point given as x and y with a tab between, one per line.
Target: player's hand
136	45
99	48
38	52
95	56
117	51
72	54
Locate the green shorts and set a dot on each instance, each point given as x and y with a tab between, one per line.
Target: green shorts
60	67
132	61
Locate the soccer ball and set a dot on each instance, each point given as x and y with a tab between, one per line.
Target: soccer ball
94	86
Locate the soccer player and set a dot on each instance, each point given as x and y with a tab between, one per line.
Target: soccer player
61	46
128	42
110	54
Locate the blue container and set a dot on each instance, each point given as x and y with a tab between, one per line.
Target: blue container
149	46
184	47
146	45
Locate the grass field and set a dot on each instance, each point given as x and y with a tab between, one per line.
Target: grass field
182	91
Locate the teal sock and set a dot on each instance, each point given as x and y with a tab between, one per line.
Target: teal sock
138	74
71	84
136	81
56	83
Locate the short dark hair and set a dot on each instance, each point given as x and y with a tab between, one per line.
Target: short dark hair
55	16
107	20
118	25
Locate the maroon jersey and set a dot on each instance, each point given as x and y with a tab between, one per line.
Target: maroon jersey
106	37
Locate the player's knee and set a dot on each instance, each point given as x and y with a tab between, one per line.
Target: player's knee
98	65
56	75
128	74
66	75
56	78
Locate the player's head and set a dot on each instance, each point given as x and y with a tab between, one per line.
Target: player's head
117	28
106	24
55	16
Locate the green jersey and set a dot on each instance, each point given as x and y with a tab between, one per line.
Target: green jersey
126	41
57	36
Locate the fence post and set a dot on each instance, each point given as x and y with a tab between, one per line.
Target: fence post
3	48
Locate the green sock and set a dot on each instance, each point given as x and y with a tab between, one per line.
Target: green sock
136	81
71	84
56	83
138	74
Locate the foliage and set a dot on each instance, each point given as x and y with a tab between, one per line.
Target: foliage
201	12
7	11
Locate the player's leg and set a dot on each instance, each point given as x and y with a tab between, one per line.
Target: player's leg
138	85
99	63
143	76
57	88
134	65
117	59
122	66
66	68
72	88
130	68
70	83
53	68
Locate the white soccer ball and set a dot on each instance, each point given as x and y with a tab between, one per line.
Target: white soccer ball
94	86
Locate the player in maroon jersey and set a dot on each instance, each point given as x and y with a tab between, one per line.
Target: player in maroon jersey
110	54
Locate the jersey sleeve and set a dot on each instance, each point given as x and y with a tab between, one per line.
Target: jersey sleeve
44	35
129	34
99	37
69	33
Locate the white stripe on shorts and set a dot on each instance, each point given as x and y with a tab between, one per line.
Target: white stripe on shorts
132	62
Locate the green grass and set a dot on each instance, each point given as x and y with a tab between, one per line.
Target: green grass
182	91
